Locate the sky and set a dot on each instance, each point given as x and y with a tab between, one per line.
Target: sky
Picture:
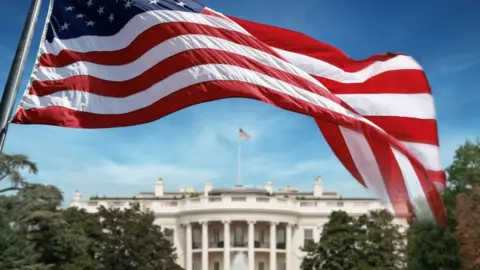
199	143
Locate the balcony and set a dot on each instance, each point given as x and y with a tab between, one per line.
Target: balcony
246	202
220	245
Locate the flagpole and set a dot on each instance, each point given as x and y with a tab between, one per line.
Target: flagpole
14	77
239	158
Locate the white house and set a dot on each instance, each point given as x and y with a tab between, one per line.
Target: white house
240	228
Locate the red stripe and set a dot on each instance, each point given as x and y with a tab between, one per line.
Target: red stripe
438	177
333	136
433	196
408	129
391	175
183	98
391	82
280	38
165	69
146	41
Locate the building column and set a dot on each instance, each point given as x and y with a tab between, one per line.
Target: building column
251	239
204	245
273	245
288	246
188	246
226	245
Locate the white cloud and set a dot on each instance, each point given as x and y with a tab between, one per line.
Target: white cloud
458	62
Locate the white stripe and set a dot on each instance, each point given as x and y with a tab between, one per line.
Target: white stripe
366	164
428	154
163	51
324	69
414	187
133	28
83	101
401	105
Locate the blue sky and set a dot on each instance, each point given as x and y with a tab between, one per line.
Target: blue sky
198	144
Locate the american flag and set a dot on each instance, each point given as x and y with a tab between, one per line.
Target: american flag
243	134
115	63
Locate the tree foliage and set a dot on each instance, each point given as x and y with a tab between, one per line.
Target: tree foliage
434	247
371	242
467	231
133	242
11	167
37	234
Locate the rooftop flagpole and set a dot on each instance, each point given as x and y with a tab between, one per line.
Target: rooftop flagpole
239	157
14	77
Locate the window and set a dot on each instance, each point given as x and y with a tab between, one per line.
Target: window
216	266
238	237
261	266
197	238
216	235
307	236
262	236
281	235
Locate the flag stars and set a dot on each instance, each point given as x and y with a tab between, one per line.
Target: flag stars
153	2
128	4
90	3
64	26
182	4
91	23
79	16
69	8
111	18
101	10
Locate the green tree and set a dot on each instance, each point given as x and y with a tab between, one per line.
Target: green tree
336	249
10	167
381	242
36	234
434	247
371	242
132	241
16	252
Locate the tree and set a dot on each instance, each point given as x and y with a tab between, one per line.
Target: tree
467	212
381	242
370	242
132	241
10	167
336	249
36	234
434	247
464	172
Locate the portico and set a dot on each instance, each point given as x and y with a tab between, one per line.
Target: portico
265	239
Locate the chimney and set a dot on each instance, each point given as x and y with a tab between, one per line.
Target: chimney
207	188
317	187
268	187
77	196
159	188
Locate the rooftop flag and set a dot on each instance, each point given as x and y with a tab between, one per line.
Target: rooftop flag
119	63
243	134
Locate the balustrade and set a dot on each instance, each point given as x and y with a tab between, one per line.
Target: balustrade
243	202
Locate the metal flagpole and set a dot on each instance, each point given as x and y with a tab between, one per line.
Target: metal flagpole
239	157
16	70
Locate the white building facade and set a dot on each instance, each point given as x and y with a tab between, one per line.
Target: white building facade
240	228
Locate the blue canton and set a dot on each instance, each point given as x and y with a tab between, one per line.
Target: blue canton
75	18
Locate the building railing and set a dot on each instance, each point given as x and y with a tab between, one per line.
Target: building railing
243	202
244	244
